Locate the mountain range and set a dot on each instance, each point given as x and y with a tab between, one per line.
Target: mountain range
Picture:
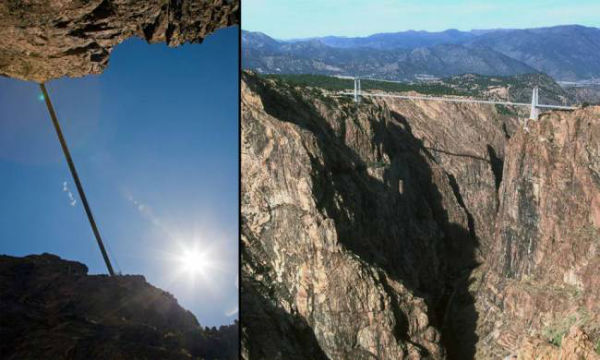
567	53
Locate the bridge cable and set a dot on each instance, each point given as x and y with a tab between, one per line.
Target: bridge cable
82	196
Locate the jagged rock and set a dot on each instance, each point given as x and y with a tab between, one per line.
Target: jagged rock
50	308
401	229
42	40
541	277
355	220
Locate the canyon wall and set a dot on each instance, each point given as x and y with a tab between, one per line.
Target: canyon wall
42	40
541	276
384	229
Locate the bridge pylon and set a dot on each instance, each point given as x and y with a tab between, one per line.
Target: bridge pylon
356	90
535	111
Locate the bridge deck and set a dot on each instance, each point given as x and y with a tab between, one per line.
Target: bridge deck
458	100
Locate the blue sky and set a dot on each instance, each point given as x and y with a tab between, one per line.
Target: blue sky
308	18
155	141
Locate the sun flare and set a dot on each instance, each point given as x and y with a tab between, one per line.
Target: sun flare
193	262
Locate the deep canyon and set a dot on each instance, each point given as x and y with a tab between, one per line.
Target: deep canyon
396	229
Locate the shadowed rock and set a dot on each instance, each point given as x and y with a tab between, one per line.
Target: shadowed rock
50	308
42	40
351	226
396	229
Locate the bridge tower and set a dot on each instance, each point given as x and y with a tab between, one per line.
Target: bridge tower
535	112
356	90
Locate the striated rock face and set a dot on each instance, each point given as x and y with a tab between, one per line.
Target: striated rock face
401	229
51	309
541	277
42	40
356	230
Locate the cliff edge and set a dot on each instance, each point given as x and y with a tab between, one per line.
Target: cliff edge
52	309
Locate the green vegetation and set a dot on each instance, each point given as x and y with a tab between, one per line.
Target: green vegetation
482	81
338	84
512	88
213	343
505	110
320	81
558	330
597	347
376	164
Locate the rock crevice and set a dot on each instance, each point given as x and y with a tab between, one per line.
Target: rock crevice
410	229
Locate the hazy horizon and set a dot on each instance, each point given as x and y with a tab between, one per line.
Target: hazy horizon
353	18
415	31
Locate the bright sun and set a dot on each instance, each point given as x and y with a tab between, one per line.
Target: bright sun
196	263
193	262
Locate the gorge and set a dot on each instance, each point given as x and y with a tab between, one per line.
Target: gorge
411	230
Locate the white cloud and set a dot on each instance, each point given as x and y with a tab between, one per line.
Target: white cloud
72	200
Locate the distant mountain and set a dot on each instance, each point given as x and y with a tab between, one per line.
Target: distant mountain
400	40
258	40
564	52
266	55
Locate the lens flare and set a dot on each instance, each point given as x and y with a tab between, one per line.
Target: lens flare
196	264
193	262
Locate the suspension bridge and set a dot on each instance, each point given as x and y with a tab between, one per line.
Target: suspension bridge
535	106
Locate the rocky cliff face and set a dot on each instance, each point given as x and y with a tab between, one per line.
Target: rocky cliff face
51	309
575	345
42	40
541	276
370	231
